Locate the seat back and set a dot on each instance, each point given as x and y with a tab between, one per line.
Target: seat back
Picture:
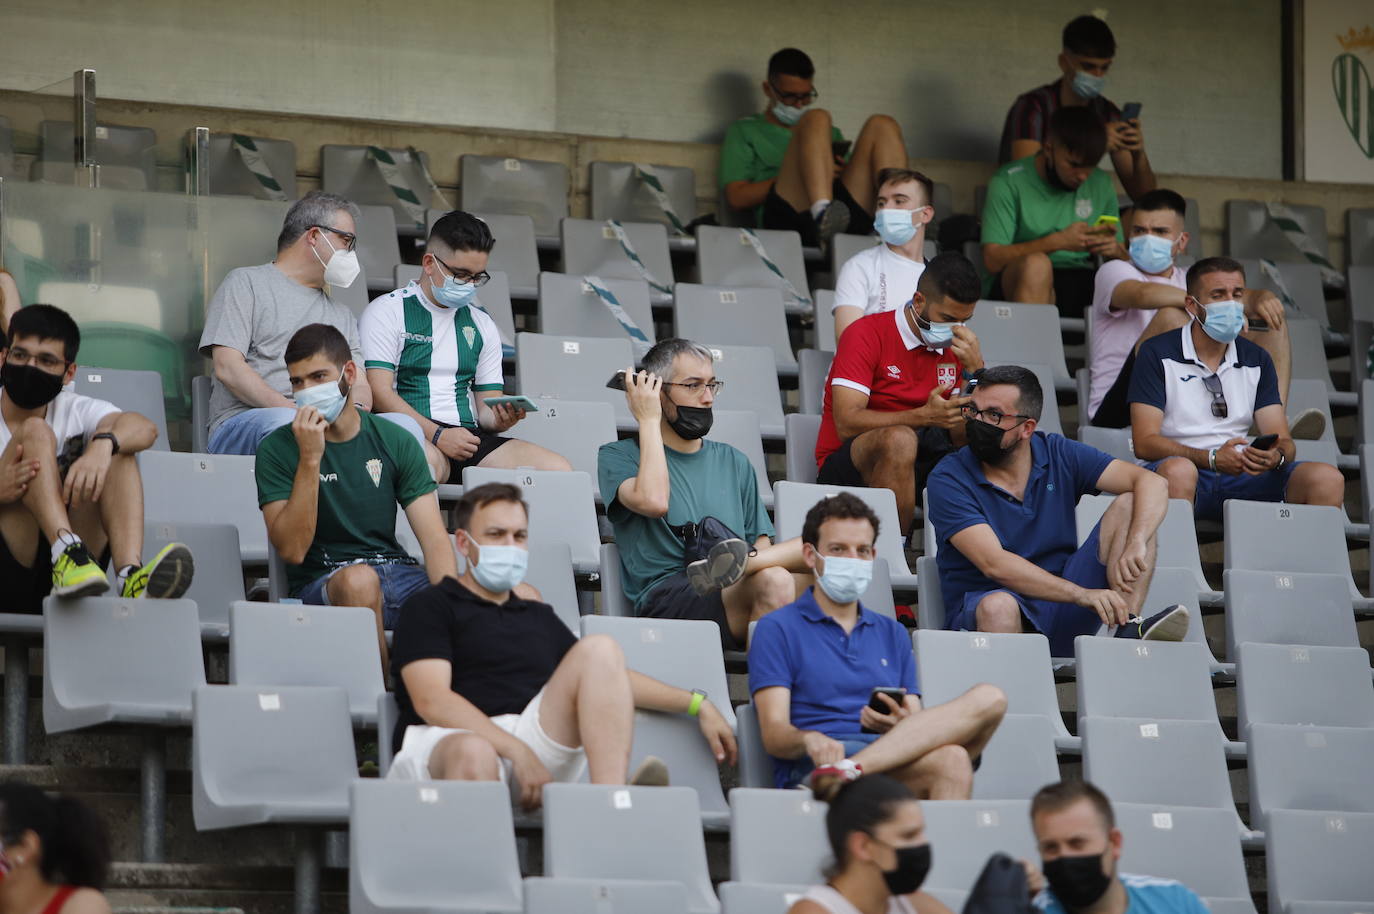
793	500
844	246
229	176
575	429
1198	847
1308	352
755	766
617	192
567	305
1264	536
801	433
1176	538
551	573
525	187
1285	608
751	382
1321	686
726	258
1359	236
379	250
1319	857
1150	680
132	390
1113	441
192	487
573	368
561	508
965	833
1010	333
824	302
746	317
218	579
1251	233
348	171
127	155
950	663
1303	281
1018	760
591	246
813	367
94	303
684	653
777	836
603	896
1166	762
739	428
1317	768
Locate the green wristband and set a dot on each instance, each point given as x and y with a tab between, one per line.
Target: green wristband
694	708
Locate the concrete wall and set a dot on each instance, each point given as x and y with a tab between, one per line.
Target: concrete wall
679	72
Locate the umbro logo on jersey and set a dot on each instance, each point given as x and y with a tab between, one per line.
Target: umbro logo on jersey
893	371
416	337
374	469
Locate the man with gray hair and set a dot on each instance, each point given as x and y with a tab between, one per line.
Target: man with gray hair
668	488
256	310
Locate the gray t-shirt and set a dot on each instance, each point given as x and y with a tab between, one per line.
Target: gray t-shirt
256	310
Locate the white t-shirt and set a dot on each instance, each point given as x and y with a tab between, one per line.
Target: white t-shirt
1115	332
877	279
73	419
836	903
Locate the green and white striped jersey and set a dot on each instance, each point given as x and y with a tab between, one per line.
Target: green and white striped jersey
440	356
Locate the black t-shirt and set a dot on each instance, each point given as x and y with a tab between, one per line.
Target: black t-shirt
501	653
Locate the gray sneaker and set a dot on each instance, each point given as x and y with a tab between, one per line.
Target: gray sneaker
652	772
723	566
1309	426
833	220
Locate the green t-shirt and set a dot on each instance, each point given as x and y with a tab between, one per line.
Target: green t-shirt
753	151
361	482
1022	206
717	481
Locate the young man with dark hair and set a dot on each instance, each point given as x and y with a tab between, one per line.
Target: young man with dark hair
1040	229
434	355
329	484
815	666
881	277
794	169
1080	853
1194	394
69	482
491	684
1088	50
1003	510
890	409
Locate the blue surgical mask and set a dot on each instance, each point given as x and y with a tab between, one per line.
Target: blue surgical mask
1152	254
500	568
844	580
328	398
453	294
786	113
1225	320
934	335
895	226
1087	86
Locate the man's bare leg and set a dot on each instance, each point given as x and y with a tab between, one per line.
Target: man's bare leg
999	612
1164	320
757	594
592	684
516	453
44	497
967	722
121	513
808	166
1181	475
1276	343
464	757
359	585
944	773
1029	279
879	145
1115	530
886	458
1314	483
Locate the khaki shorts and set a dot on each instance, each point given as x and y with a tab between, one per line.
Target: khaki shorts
565	764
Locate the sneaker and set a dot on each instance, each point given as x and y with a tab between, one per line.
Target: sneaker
652	772
1169	625
826	780
1309	426
833	220
723	566
166	577
75	574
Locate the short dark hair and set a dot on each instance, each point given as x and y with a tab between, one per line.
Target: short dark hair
1162	198
1030	401
950	275
1079	131
791	62
1055	797
480	497
47	322
861	805
76	850
840	506
316	339
901	176
1209	265
1088	36
460	231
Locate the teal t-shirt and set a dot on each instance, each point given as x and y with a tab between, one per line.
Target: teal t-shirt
1022	206
717	481
753	150
362	480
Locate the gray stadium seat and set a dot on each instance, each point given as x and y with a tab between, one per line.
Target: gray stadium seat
1359	236
218	580
844	246
1359	296
608	832
746	317
1198	847
739	428
379	251
515	254
777	837
751	383
1018	760
603	896
551	573
493	298
458	855
200	412
1309	359
132	390
725	258
126	155
192	487
1319	862
1251	233
1265	536
801	433
347	170
758	898
1014	334
561	507
615	191
1309	393
571	428
575	368
274	644
1114	441
1050	421
387	713
613	601
1315	768
354	297
567	305
229	175
590	247
1269	607
813	367
794	499
1303	282
6	148
755	767
951	663
527	187
1176	538
930	603
964	833
1300	685
824	300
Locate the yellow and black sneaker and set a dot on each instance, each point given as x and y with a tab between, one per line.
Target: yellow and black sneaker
166	577
75	574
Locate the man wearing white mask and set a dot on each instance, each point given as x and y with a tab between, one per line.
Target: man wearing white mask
882	277
329	484
491	684
255	311
434	356
1195	392
835	683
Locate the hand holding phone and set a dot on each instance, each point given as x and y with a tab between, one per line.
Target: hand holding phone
518	401
1265	442
876	703
1131	111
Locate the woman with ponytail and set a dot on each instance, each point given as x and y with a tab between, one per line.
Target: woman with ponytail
877	834
53	854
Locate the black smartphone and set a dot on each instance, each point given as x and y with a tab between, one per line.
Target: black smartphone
1131	111
841	149
1257	324
617	381
877	704
1264	442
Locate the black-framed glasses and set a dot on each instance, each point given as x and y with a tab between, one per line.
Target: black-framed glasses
991	416
1213	384
350	240
44	360
696	386
795	99
477	279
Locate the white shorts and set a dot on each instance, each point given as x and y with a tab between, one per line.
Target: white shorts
565	764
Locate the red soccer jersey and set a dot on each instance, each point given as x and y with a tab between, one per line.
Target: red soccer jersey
879	355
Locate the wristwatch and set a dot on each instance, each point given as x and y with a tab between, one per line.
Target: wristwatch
114	442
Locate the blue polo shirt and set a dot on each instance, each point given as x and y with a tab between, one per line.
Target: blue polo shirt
831	675
1040	528
1144	895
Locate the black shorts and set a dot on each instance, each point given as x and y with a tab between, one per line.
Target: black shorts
1115	409
674	598
486	443
26	585
1073	291
779	214
931	445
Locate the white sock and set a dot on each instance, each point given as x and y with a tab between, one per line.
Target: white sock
64	539
819	207
123	573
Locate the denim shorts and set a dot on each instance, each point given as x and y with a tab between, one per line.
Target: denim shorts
399	581
788	773
1215	489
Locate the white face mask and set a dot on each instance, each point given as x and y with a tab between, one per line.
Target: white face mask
342	268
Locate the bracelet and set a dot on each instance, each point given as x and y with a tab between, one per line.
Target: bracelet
434	438
1212	459
1283	458
698	696
108	436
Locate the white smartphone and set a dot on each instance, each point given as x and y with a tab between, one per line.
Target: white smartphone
518	401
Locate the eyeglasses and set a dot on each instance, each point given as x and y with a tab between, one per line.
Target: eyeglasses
991	416
795	99
477	279
350	240
1213	385
46	361
696	386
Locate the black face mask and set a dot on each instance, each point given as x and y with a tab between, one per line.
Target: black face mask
692	422
29	386
985	440
913	863
1078	882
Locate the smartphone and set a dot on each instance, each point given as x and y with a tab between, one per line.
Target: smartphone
1131	111
841	149
895	693
617	381
1264	442
1107	224
518	401
1257	324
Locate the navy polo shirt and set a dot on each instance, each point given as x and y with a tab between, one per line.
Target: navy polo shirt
831	675
1040	528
